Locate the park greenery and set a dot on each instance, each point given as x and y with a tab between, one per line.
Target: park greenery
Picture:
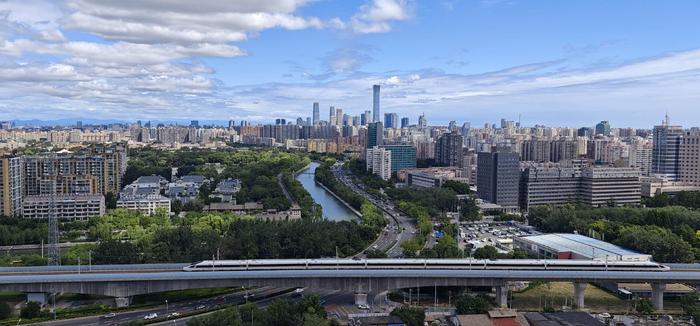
468	304
410	316
257	169
669	234
281	312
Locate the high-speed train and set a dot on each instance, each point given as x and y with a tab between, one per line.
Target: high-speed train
476	264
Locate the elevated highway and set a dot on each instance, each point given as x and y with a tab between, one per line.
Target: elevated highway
124	281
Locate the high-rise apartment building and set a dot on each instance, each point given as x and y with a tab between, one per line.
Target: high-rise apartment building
498	176
665	152
379	161
640	154
375	134
422	122
448	150
376	117
316	114
689	158
11	186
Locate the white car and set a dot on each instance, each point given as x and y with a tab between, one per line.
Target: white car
363	306
151	316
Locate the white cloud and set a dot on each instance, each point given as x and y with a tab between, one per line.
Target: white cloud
375	17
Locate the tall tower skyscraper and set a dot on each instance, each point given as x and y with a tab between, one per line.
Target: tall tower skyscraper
331	116
422	121
375	104
316	114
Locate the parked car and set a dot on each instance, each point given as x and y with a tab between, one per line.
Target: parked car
151	316
109	315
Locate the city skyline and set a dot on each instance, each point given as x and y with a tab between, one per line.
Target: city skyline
474	61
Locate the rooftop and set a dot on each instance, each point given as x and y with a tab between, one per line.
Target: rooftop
580	244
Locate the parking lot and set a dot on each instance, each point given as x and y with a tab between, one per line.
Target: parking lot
497	234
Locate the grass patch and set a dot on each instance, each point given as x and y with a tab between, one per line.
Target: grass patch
12	296
555	295
175	296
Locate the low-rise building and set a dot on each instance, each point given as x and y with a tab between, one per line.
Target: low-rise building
67	207
574	246
146	204
226	190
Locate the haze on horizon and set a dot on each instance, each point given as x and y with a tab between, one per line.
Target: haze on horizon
569	63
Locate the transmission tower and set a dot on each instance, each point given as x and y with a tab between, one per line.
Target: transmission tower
54	254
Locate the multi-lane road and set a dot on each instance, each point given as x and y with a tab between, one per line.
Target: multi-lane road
400	227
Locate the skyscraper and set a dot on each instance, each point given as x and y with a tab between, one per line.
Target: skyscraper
375	104
331	116
375	134
368	118
602	128
498	177
448	150
665	151
404	122
422	121
316	114
391	120
231	124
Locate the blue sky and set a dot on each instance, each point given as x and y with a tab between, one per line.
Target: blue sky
559	63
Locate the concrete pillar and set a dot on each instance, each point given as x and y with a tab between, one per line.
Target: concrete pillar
360	298
122	302
579	290
502	296
657	295
38	297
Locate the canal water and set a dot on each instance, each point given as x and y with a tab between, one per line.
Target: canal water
332	208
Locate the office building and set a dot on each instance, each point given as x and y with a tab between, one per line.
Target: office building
602	128
331	116
11	186
379	162
448	150
375	134
316	114
498	176
391	120
404	122
542	185
194	124
67	207
147	204
402	157
422	121
665	151
610	186
689	158
575	246
375	104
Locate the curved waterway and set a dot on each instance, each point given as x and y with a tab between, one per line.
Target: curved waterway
333	209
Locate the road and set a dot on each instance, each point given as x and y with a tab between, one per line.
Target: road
400	227
179	307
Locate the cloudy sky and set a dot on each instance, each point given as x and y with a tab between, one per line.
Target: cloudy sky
552	62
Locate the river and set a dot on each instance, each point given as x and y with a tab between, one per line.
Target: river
332	208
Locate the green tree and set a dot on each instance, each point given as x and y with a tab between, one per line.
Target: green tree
645	307
409	315
115	252
110	200
460	188
30	310
472	304
5	310
486	252
227	317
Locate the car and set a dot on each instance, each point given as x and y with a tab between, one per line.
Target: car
109	315
249	296
151	316
363	306
200	307
375	246
174	314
